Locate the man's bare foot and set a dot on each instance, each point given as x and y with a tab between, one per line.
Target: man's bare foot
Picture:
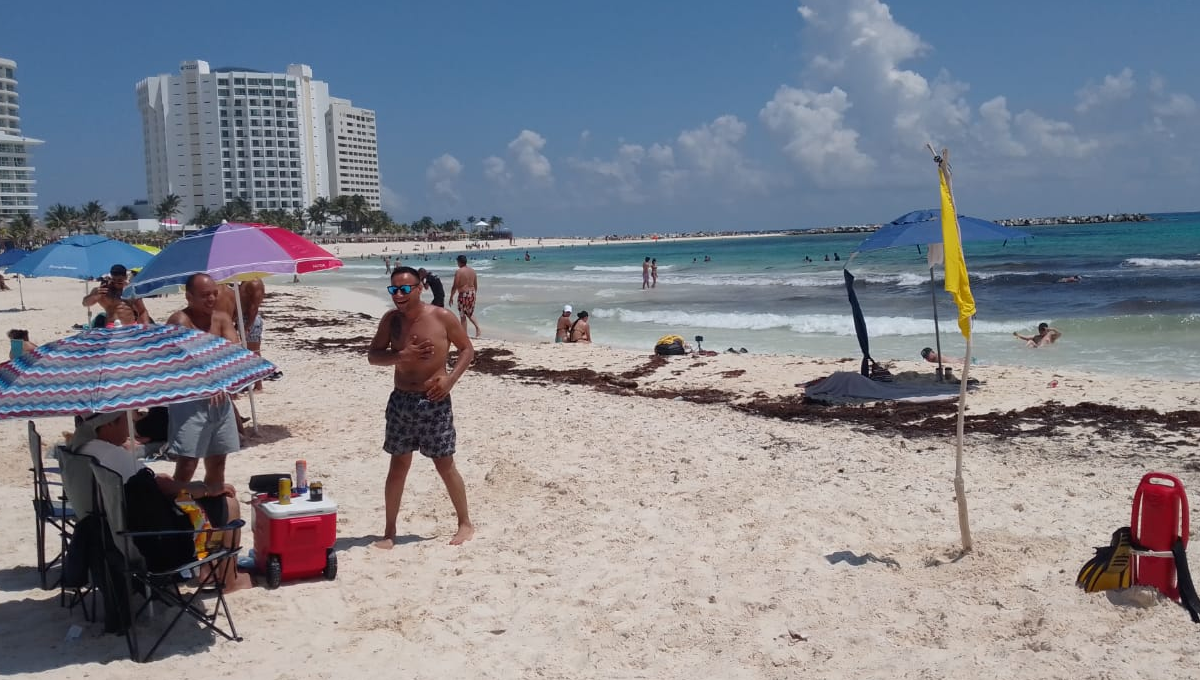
465	533
388	541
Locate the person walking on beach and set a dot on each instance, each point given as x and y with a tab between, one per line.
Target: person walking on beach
563	331
415	338
205	428
108	296
1045	336
434	284
654	273
252	293
467	285
646	274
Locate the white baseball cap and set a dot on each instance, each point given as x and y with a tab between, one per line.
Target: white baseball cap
567	309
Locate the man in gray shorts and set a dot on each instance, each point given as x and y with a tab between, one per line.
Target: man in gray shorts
206	428
415	338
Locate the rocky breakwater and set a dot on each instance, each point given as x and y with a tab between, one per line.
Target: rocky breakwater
1074	219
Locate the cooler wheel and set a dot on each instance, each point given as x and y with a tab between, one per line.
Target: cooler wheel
274	572
330	571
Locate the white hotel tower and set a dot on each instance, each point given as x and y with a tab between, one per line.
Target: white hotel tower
212	135
17	187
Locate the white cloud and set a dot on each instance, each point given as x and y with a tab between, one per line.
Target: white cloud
1175	104
813	127
620	176
496	171
1111	89
711	151
442	174
526	151
391	201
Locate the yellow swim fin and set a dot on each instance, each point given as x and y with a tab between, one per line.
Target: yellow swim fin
1111	568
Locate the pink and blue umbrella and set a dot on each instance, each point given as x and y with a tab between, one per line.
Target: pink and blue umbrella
232	252
128	367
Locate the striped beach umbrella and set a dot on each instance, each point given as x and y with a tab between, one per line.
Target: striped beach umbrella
232	252
128	367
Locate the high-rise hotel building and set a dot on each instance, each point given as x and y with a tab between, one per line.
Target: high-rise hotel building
18	193
212	135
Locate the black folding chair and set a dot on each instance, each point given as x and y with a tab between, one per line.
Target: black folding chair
48	510
80	578
128	573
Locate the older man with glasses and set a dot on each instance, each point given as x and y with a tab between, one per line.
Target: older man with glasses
108	296
415	338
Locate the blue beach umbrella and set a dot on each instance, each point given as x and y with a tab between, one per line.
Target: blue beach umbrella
86	256
924	227
12	256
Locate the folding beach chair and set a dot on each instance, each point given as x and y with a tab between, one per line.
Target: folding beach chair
81	575
49	509
127	571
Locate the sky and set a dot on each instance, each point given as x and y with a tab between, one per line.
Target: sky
636	116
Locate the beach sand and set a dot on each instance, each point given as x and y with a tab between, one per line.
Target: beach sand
635	532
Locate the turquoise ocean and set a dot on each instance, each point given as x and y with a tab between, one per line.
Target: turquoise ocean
1135	310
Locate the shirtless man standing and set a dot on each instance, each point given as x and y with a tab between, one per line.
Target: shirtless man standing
205	428
415	337
467	285
252	293
108	296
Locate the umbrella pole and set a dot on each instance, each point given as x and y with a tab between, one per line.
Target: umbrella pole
241	326
21	288
937	333
87	311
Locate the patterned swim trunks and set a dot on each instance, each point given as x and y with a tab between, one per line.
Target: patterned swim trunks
417	423
466	302
254	332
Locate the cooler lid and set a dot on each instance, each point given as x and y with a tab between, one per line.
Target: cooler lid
299	507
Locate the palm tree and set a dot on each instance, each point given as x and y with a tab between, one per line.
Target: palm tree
94	215
62	218
21	227
204	217
496	221
298	220
126	213
472	220
238	209
318	212
358	210
168	208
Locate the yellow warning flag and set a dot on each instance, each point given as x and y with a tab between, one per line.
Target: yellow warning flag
957	283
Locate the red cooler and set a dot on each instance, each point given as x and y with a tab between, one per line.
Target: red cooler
295	540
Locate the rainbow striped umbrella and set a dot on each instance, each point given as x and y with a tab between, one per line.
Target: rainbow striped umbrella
128	367
232	252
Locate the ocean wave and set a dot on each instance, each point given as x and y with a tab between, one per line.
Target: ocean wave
828	324
1156	263
615	268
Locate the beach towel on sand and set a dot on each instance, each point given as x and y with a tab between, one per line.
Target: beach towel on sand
851	386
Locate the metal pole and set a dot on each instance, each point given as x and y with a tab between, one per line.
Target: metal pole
21	288
937	334
241	325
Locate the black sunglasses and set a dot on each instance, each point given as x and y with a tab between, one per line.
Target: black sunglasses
406	289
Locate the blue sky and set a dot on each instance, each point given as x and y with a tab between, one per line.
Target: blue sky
585	117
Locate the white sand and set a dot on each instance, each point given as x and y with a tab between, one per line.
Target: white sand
626	536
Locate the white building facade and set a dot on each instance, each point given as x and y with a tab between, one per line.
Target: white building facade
353	151
18	190
213	135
